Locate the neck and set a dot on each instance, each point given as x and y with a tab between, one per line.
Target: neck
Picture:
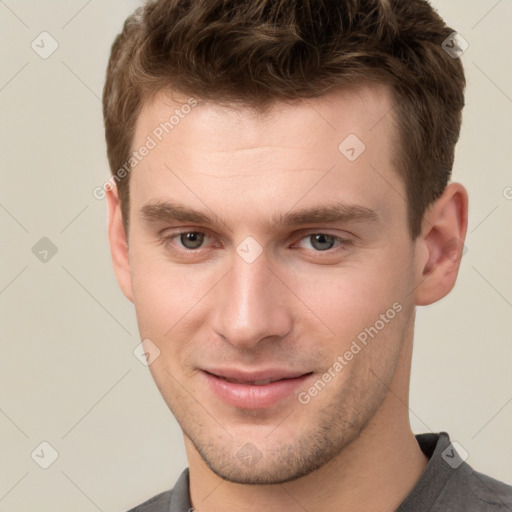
375	472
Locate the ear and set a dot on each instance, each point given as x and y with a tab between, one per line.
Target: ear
441	244
118	243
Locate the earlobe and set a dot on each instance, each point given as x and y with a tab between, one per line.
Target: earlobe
118	243
442	244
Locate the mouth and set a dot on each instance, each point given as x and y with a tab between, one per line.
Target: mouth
254	390
250	383
261	382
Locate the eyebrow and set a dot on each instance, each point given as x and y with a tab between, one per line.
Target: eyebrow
169	211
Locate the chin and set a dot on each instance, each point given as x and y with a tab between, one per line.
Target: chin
278	463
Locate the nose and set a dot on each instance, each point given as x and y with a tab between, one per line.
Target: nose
251	304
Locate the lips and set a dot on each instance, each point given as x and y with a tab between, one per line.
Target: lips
254	390
272	374
249	383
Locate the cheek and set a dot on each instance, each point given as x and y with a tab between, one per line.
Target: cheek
351	296
168	298
357	311
158	294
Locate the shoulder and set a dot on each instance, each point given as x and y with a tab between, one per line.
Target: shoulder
175	499
476	491
491	491
450	483
158	503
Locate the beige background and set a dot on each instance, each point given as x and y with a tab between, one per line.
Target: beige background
68	373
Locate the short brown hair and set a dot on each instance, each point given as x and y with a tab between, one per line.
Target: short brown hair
255	52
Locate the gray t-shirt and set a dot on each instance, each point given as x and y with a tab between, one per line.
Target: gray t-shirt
448	484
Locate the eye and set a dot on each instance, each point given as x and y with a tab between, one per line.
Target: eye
191	239
323	241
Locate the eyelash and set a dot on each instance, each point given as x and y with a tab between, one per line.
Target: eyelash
343	243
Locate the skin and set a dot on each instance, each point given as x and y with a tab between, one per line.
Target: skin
295	306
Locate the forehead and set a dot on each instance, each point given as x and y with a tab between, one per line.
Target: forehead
359	108
337	146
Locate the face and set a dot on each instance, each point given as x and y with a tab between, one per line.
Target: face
271	270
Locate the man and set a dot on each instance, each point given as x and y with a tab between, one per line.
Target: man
279	205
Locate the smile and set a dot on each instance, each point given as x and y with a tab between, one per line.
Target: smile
254	390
